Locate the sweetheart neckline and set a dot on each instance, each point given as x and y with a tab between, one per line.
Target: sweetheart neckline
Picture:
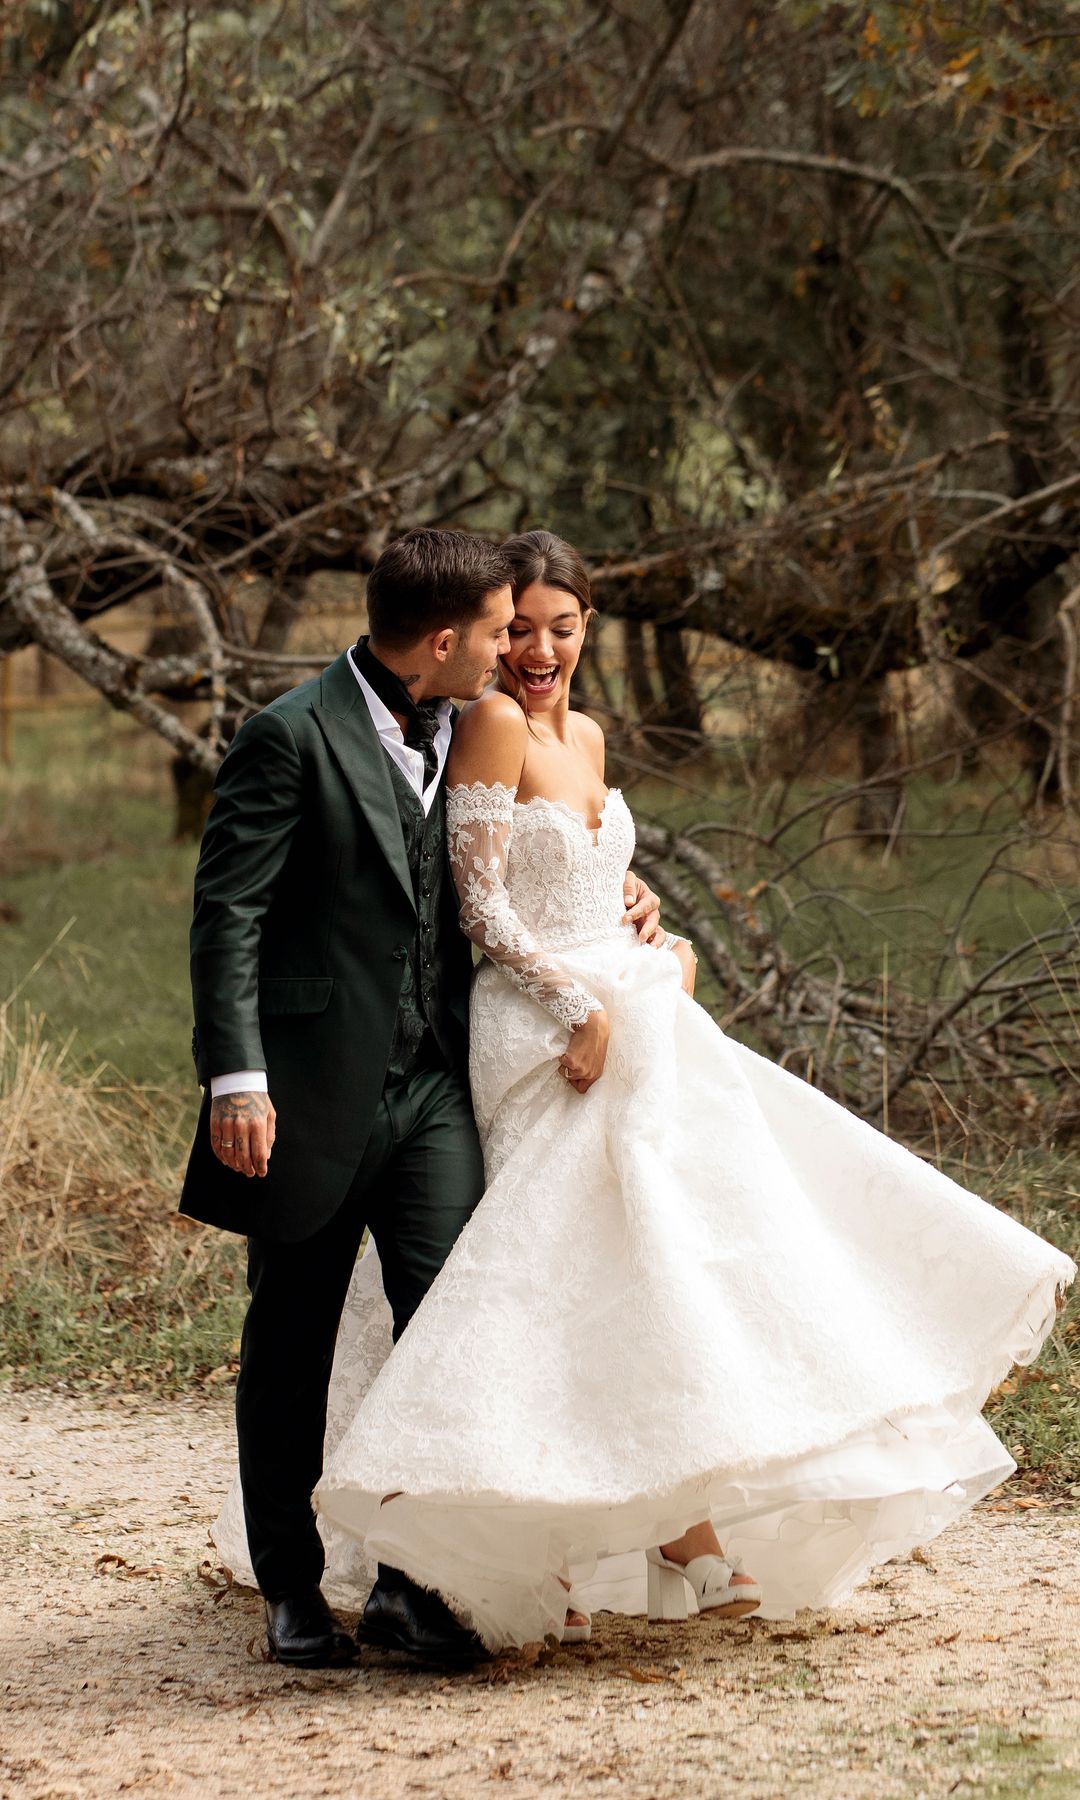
594	833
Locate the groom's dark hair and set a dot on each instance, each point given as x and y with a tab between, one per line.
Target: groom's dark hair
428	580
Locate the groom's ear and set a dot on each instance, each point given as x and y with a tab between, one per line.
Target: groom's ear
442	644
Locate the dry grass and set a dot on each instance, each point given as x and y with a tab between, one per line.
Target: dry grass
73	1147
99	1276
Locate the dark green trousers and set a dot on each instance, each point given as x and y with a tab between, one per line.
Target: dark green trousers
421	1176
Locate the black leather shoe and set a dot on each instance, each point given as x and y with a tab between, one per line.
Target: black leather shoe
303	1631
401	1616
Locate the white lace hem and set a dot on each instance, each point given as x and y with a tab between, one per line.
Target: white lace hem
809	1527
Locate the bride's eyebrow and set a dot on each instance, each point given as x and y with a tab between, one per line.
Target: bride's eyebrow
524	619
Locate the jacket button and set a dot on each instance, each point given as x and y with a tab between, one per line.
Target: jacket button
399	952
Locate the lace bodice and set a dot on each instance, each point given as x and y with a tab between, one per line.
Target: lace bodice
533	880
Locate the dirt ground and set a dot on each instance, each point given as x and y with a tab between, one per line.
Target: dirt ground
125	1667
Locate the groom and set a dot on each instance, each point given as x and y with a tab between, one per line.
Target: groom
330	984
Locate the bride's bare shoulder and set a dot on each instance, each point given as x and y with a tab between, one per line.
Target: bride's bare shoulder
589	737
490	739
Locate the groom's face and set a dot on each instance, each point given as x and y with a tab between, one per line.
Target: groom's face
476	651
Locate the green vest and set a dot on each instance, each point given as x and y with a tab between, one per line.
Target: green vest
421	1004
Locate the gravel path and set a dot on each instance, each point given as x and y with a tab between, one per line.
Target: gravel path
123	1668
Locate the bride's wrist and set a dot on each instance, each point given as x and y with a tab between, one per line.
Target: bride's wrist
594	1014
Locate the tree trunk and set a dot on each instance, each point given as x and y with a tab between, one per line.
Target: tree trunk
875	726
1023	665
682	703
638	678
1014	689
192	785
193	791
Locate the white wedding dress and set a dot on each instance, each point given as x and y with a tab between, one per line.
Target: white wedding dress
700	1290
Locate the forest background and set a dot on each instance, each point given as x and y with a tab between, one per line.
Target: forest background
772	310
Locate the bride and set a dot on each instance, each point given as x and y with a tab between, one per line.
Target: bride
703	1316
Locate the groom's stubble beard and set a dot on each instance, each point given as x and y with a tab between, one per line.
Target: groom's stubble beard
466	675
475	658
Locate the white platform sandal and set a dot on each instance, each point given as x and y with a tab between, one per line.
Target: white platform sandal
710	1578
575	1634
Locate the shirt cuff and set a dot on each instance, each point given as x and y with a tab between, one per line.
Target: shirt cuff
244	1081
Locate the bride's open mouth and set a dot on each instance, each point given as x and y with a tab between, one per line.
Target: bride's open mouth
538	680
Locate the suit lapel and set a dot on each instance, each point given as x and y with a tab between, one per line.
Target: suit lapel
347	726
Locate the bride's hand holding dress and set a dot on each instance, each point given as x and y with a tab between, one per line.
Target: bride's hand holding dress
582	1062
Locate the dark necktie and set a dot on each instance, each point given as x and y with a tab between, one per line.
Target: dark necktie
422	719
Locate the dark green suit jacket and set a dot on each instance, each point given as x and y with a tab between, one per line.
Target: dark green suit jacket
304	910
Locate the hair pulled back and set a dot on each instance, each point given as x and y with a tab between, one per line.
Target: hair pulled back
541	556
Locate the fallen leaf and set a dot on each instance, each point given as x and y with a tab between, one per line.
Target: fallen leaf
119	1565
216	1577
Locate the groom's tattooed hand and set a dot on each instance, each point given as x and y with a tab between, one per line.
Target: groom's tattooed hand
242	1131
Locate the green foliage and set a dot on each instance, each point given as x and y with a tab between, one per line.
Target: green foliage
162	1330
914	53
100	897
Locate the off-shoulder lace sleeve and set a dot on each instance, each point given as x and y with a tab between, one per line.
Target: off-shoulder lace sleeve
479	823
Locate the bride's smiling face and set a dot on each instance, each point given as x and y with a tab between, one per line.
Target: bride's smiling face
546	635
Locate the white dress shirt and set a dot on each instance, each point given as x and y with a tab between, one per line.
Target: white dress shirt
411	764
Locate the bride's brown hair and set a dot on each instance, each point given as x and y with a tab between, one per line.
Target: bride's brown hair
541	556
